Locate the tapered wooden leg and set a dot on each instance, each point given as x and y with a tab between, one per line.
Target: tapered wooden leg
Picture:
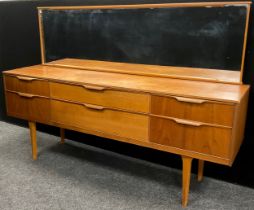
32	126
62	135
200	170
186	179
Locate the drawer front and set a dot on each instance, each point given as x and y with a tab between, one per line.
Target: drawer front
100	96
193	109
202	139
27	85
27	107
133	126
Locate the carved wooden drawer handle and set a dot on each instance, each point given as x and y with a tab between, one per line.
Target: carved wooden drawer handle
26	78
91	106
92	87
190	100
26	95
187	122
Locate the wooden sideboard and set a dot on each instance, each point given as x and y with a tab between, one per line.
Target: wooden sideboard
195	119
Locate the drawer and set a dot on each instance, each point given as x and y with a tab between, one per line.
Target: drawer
27	106
198	138
193	109
27	85
97	118
101	96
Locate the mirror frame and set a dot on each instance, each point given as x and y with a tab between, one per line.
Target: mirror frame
236	78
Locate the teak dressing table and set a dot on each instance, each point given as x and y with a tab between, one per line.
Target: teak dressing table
193	112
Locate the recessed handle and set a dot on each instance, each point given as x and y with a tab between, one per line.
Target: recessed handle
93	87
91	106
26	95
187	122
190	100
26	78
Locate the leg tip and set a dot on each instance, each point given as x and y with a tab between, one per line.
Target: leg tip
184	204
200	179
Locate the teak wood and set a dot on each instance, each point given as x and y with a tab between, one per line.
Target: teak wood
202	139
62	135
135	6
92	94
32	126
101	119
192	112
194	119
192	109
195	73
218	92
200	170
186	179
199	74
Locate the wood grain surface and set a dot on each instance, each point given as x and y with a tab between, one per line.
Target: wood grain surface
151	70
27	85
101	96
119	123
29	107
201	110
231	93
203	139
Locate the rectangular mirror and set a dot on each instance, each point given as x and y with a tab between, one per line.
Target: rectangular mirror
204	41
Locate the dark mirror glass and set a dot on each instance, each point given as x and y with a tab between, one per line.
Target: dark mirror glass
203	37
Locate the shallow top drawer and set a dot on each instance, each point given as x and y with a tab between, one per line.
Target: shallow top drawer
91	94
193	109
26	85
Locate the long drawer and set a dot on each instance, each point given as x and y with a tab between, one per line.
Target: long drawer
191	136
28	106
27	85
97	118
193	109
91	94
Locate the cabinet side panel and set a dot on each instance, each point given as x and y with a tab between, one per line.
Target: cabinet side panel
239	126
